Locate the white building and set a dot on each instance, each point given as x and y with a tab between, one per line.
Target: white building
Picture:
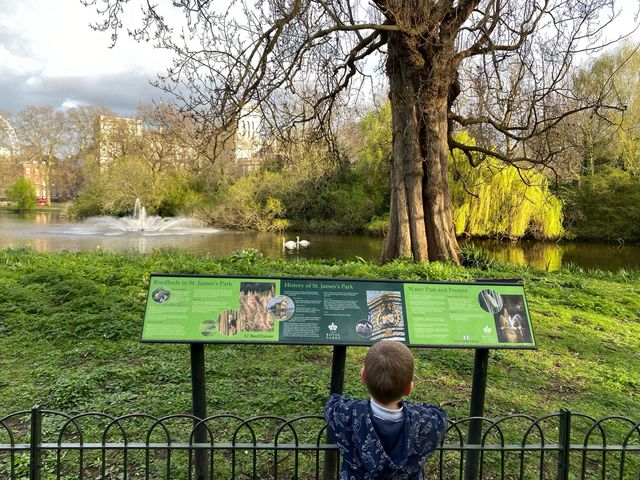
248	140
113	136
119	136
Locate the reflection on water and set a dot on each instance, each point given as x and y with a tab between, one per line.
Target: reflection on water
47	232
23	219
543	255
551	256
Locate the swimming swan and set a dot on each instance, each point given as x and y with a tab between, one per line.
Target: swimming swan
302	243
290	244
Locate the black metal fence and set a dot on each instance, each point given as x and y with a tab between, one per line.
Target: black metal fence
44	444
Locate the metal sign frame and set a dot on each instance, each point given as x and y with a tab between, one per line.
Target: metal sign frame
329	311
479	380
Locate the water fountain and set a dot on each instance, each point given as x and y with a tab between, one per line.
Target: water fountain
143	223
139	232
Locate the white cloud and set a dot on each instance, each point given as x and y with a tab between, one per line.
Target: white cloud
71	103
49	54
13	63
33	82
47	49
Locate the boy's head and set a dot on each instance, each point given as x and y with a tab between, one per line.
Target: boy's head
388	371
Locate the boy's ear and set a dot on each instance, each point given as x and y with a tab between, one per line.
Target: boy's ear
409	389
362	374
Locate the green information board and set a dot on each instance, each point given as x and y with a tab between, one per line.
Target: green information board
221	309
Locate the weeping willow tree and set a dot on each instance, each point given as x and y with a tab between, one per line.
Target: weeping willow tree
491	200
499	200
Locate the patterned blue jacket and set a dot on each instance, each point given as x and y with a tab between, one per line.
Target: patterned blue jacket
349	422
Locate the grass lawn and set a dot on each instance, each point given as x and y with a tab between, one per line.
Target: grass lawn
70	325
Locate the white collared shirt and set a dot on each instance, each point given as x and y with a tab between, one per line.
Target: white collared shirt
393	415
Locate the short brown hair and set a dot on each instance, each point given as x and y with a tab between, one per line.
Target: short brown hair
388	369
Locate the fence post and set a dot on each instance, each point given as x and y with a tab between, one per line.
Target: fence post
34	443
564	442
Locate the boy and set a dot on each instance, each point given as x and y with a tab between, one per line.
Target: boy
384	437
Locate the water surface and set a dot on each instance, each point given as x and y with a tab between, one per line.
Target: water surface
47	232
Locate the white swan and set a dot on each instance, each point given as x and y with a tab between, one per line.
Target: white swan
302	243
290	244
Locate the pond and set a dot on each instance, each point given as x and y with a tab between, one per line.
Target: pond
47	232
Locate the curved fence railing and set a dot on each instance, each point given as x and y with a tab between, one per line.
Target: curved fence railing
44	444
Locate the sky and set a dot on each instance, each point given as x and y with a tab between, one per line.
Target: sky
50	56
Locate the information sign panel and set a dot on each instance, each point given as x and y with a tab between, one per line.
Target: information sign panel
222	309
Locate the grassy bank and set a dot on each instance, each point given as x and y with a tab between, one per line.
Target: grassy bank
70	325
35	209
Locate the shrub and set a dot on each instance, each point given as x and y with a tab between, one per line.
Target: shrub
22	193
180	193
251	203
605	205
89	202
113	191
472	256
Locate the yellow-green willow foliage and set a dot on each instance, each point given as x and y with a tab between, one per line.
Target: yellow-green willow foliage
507	202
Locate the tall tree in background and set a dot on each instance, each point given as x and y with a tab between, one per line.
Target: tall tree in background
82	127
43	134
609	137
498	68
80	161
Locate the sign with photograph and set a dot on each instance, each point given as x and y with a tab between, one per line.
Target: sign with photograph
217	309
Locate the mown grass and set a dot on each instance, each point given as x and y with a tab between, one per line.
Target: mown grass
70	325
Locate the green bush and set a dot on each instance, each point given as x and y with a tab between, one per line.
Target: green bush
353	205
22	194
114	190
472	256
313	195
252	203
180	193
89	202
605	206
378	225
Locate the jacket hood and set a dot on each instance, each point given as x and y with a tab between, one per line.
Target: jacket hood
350	423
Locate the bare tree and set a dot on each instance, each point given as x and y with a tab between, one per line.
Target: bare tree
81	149
82	127
43	134
499	68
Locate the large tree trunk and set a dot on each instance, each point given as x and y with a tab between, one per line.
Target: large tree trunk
421	222
441	234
